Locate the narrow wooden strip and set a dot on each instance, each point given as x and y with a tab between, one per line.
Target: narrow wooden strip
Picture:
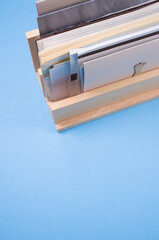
110	109
103	90
32	36
106	96
39	76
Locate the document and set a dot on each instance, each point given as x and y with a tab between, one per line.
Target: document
85	12
71	35
60	82
107	47
120	65
59	85
94	55
59	53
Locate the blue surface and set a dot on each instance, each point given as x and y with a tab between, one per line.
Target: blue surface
96	181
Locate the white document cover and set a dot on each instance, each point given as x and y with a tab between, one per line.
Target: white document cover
120	65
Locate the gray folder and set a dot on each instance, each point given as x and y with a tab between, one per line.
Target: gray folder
85	12
47	6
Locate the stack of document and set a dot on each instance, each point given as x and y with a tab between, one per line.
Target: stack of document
88	44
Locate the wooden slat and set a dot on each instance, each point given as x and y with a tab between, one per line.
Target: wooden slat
110	109
104	96
32	36
39	76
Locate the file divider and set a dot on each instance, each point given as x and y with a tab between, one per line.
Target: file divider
100	102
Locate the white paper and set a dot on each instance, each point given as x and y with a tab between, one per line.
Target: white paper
120	65
52	41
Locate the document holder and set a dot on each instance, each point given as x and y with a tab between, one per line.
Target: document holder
82	108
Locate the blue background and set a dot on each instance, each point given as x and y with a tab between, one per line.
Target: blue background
93	182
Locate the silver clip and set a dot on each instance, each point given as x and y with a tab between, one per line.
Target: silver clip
138	68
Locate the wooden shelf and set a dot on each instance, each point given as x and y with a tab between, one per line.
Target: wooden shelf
100	102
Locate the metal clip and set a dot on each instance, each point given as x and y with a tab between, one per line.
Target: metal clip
138	68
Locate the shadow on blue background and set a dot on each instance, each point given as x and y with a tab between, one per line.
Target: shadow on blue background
96	181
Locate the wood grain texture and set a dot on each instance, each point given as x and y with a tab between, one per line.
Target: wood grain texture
107	110
39	77
32	36
92	100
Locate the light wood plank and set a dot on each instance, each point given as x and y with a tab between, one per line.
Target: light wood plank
32	36
39	77
83	103
110	109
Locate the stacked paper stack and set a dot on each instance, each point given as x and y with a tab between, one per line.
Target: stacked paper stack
84	45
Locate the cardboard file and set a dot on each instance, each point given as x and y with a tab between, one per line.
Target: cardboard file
84	12
52	41
61	52
47	6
